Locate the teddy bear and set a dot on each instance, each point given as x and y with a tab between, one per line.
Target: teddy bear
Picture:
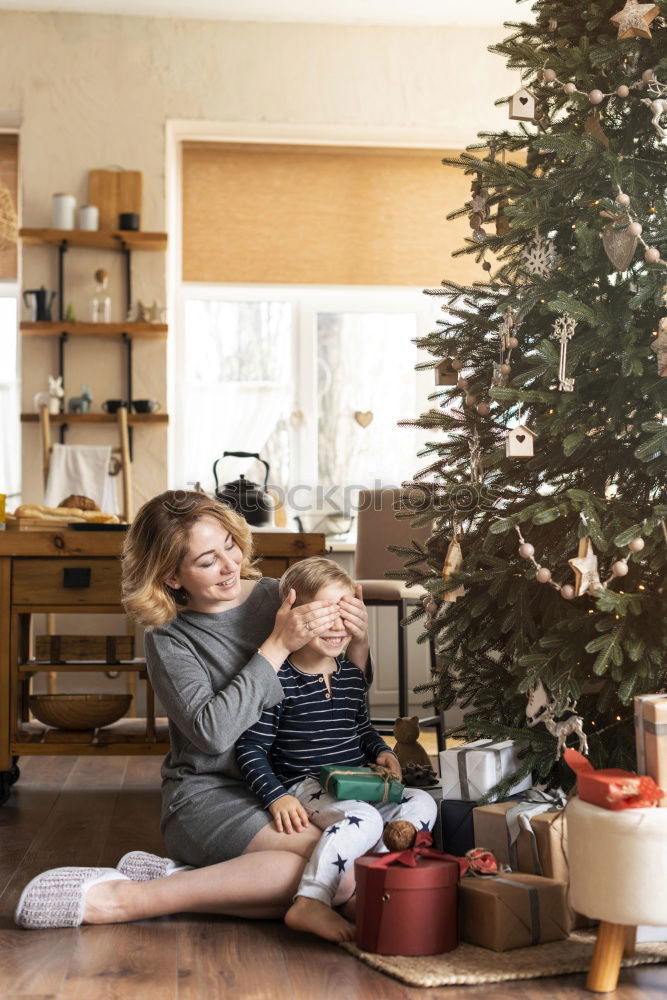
408	749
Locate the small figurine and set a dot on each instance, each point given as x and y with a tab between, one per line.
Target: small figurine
70	315
52	397
540	708
80	404
407	748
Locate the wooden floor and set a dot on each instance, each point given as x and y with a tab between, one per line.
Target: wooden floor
81	810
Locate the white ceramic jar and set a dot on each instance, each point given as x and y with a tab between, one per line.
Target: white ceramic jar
89	218
64	206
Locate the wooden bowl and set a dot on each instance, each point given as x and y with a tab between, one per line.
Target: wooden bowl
79	711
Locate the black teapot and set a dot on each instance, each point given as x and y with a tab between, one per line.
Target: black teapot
248	499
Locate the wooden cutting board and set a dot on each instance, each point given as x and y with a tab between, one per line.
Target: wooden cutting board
115	191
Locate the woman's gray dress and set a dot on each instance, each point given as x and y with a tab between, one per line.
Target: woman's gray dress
213	683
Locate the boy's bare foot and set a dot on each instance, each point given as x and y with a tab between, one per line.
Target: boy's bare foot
348	909
314	917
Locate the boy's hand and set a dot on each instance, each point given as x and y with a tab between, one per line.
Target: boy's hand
288	814
388	760
354	614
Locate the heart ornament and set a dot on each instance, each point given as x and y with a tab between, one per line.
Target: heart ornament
363	418
619	245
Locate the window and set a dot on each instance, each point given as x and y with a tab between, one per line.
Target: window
10	435
312	379
10	438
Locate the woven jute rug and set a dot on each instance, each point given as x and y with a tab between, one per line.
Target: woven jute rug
469	965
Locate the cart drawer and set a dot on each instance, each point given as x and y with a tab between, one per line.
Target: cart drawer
76	582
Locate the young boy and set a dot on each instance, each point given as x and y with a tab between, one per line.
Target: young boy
323	720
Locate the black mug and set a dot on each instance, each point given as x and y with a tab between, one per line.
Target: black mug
113	405
145	405
129	221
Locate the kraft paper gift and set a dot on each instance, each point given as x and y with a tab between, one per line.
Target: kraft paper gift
513	911
651	738
468	772
536	843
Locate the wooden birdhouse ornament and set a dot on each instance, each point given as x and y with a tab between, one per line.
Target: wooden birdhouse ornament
522	106
519	442
445	374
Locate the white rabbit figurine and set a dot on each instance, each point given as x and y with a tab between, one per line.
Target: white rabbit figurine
52	397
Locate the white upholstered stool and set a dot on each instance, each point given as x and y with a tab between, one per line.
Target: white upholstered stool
618	875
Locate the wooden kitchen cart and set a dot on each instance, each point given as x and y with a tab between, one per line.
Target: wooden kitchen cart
78	572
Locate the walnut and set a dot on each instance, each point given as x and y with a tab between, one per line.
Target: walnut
399	835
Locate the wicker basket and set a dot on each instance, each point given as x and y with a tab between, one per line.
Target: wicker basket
79	711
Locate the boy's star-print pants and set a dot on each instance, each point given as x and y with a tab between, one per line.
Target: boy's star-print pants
350	829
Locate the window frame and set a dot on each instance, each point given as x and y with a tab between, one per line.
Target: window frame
306	302
10	289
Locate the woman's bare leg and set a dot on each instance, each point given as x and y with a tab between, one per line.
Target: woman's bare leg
259	885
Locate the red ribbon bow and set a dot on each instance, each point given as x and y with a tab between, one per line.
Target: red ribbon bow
420	849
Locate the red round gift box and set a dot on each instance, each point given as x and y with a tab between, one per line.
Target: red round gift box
403	910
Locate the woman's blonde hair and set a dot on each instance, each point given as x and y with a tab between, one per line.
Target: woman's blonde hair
308	575
155	545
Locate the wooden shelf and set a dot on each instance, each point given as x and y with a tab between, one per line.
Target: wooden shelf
103	239
150	331
38	666
133	419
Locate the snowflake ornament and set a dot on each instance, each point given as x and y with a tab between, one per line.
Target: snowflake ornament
539	258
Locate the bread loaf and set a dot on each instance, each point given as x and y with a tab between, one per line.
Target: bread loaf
83	503
36	510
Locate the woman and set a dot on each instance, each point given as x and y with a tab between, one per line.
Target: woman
217	634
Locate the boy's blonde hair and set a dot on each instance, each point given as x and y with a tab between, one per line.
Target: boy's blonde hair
309	575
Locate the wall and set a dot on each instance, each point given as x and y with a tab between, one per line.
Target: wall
95	91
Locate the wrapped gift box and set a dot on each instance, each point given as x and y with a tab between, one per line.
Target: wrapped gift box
540	847
407	908
468	772
363	783
651	738
453	831
513	911
612	788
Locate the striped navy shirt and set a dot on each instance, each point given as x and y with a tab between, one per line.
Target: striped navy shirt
308	729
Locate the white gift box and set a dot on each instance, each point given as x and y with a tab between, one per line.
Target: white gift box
468	772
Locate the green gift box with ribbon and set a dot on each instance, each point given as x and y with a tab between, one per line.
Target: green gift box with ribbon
370	784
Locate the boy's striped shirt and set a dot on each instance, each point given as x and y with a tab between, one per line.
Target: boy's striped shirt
308	729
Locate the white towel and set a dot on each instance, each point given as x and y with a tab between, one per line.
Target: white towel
83	470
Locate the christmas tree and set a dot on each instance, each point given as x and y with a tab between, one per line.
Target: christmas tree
545	484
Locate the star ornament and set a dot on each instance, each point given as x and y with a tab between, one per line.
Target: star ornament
585	567
633	21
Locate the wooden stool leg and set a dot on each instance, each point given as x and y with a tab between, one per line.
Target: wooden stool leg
630	941
606	961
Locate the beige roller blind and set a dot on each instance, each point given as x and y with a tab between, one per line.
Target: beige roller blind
276	214
9	177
